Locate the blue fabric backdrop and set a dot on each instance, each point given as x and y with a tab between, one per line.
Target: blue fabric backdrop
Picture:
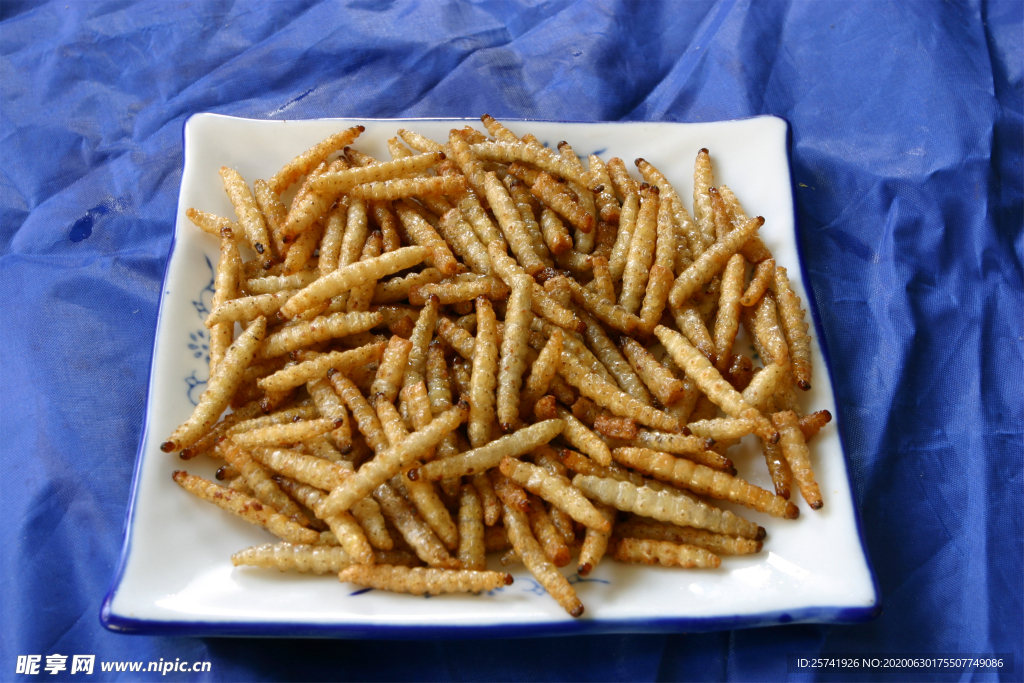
907	148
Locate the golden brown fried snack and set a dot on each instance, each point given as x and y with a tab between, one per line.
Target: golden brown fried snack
223	383
421	580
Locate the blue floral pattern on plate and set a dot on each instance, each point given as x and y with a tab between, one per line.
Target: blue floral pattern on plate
200	339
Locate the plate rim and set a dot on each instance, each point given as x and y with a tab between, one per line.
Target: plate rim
835	614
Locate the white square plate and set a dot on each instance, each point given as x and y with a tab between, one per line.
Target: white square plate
176	576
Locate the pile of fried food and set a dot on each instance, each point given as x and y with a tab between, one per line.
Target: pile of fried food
406	392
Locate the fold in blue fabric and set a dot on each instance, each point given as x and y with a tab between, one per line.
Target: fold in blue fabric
907	159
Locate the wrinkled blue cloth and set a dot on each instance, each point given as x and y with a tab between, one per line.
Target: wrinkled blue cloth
907	151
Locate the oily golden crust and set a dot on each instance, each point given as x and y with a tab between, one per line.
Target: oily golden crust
468	163
562	202
662	383
778	469
318	366
346	529
422	233
754	250
613	315
703	181
360	298
618	402
284	434
690	323
813	423
391	370
213	224
226	288
627	226
514	349
547	534
602	282
768	333
580	436
542	372
604	194
260	484
675	206
526	205
530	153
401	188
459	234
352	275
659	285
762	279
317	559
325	188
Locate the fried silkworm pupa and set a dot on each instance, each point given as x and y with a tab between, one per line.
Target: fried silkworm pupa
413	529
663	506
555	489
250	218
389	462
423	580
719	544
472	547
311	158
514	347
791	315
485	457
223	383
484	378
246	507
670	554
525	544
711	262
705	481
794	449
697	368
760	281
314	559
350	276
641	251
283	434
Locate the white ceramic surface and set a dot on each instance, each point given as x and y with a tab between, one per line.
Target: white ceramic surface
176	574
